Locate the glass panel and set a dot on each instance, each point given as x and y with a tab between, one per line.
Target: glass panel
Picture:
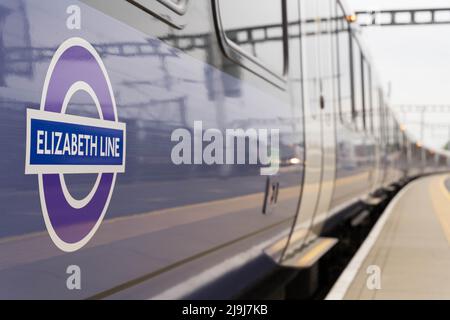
357	73
310	43
375	109
255	26
344	79
368	97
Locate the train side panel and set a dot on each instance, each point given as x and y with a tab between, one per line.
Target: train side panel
166	222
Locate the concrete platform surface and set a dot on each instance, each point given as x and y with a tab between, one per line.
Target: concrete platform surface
407	253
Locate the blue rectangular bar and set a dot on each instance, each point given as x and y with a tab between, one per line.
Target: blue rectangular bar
61	143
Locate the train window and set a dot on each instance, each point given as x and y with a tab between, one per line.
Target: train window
364	83
392	132
380	115
255	35
387	129
397	141
376	100
358	112
343	66
325	52
311	34
367	93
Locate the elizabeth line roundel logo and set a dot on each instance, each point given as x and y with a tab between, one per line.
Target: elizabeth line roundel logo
58	143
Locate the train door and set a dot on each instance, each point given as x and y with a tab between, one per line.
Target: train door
318	116
371	140
328	93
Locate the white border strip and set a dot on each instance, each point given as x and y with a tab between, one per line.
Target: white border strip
348	275
72	119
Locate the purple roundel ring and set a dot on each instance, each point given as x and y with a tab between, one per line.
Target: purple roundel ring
75	66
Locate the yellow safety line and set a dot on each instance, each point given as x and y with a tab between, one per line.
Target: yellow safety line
439	205
445	191
314	252
280	244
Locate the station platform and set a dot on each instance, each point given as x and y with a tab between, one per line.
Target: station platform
407	253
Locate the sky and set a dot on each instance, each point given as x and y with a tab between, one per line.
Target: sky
416	61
